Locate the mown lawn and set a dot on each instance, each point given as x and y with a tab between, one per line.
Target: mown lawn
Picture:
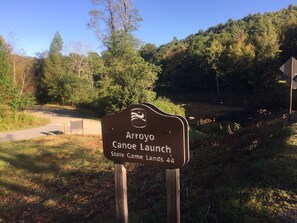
247	176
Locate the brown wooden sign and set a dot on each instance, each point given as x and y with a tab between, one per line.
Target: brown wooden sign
144	134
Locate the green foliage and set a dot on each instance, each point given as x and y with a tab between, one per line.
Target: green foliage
6	83
245	54
289	46
20	102
149	52
10	95
68	80
11	121
53	69
126	78
167	106
54	66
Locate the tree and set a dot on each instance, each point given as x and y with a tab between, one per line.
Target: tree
239	59
149	52
111	18
24	76
265	39
10	95
214	59
97	65
78	61
126	78
53	70
54	66
289	46
6	83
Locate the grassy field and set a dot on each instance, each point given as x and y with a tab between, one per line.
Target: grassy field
247	176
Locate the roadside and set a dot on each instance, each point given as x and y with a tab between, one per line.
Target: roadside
59	123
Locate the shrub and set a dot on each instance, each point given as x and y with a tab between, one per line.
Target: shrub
167	106
12	121
20	102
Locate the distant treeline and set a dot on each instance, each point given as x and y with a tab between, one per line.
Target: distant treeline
245	55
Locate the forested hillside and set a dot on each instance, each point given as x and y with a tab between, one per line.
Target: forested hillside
236	58
244	55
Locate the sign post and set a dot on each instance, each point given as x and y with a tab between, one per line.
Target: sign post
289	68
120	176
291	90
144	134
173	195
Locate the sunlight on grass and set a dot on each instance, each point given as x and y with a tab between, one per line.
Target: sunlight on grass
247	176
273	201
45	175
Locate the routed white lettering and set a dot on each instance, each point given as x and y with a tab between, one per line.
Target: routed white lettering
134	156
143	137
159	149
122	145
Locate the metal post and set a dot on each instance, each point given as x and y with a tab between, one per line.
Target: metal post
291	89
120	175
173	195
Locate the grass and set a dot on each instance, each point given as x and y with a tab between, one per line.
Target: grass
54	179
247	176
22	120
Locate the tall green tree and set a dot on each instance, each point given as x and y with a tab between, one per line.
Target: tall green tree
53	71
54	66
6	82
265	38
126	78
239	59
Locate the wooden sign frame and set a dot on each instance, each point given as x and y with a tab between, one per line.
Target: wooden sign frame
159	139
135	135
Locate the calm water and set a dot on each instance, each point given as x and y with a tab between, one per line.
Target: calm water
218	112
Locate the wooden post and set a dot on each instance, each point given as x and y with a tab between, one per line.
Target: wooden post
291	89
120	175
173	195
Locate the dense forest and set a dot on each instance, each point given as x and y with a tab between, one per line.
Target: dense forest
236	58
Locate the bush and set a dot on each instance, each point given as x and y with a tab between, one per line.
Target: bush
104	106
20	102
167	106
11	121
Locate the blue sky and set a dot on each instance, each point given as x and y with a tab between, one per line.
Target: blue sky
31	24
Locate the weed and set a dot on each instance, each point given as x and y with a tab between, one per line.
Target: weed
10	121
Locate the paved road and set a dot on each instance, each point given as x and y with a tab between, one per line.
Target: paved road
60	123
32	133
